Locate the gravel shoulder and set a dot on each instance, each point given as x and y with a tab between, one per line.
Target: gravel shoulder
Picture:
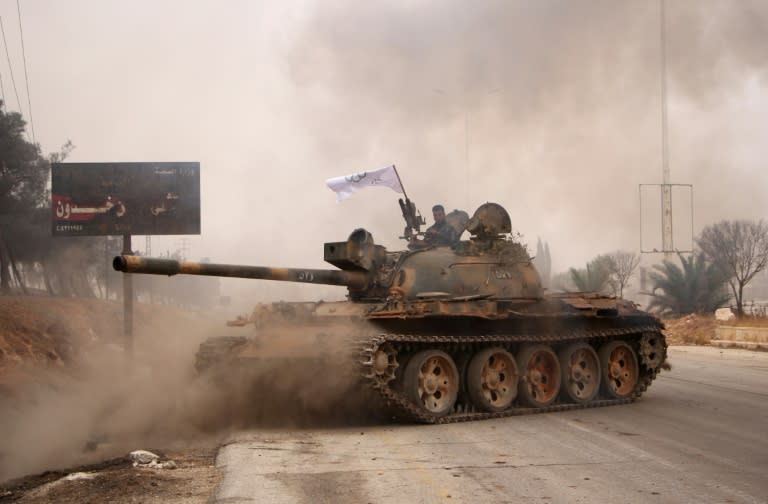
116	480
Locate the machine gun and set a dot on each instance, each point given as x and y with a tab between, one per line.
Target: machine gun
413	220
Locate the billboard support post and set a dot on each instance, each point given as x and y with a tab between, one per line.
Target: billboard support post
127	299
106	268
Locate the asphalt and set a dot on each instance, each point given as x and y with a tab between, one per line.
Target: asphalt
697	435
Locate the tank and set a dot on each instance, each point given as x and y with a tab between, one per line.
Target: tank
452	333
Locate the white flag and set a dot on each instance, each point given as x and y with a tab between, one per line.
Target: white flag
348	184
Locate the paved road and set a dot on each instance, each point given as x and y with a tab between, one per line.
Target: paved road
700	434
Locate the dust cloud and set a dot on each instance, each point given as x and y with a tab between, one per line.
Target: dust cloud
105	403
551	108
290	378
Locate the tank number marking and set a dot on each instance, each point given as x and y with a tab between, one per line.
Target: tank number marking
306	276
503	274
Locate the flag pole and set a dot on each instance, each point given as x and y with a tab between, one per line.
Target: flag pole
400	181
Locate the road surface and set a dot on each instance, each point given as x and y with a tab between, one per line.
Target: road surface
700	434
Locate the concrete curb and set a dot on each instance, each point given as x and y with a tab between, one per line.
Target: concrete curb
742	333
746	345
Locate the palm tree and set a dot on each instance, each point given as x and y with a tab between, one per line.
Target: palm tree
697	287
595	277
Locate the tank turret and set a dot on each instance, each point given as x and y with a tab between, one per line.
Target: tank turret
488	265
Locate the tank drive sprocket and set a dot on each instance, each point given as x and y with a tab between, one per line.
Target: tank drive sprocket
653	350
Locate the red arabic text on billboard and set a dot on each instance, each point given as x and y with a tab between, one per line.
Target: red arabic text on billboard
125	198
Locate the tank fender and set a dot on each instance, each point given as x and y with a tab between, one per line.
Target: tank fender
604	309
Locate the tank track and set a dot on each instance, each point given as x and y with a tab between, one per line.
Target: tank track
215	351
401	408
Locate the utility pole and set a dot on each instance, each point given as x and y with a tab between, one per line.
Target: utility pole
667	240
184	247
667	235
466	111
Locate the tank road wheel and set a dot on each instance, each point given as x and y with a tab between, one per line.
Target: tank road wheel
492	379
581	372
539	375
431	381
619	369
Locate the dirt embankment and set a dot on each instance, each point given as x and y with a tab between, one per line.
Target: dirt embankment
690	330
72	396
698	329
61	334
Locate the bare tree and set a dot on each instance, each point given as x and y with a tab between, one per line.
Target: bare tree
622	265
740	249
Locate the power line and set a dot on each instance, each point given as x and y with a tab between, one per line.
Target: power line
2	89
10	67
26	77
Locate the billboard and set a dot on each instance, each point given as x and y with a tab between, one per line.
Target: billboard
125	198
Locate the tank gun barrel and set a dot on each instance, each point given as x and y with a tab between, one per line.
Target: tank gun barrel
154	266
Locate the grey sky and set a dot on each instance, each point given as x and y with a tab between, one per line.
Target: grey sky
561	100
